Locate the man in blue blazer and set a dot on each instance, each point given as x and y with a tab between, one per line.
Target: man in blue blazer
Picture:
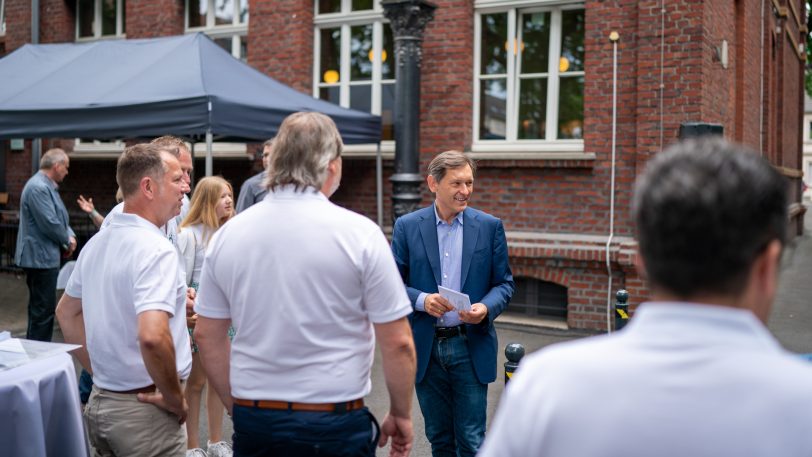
448	244
44	233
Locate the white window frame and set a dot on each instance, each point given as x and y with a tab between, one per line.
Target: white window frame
2	17
97	22
345	20
511	143
237	30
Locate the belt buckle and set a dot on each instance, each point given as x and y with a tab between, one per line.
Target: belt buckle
341	408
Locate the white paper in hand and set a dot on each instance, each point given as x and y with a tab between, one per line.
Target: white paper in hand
459	300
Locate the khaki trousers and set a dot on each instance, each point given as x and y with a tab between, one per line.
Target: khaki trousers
120	425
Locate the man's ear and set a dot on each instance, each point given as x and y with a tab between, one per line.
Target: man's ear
763	279
639	264
147	187
432	183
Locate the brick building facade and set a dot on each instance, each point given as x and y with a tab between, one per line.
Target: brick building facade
525	86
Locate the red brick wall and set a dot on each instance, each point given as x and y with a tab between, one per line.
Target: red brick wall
18	24
280	41
57	21
154	18
556	213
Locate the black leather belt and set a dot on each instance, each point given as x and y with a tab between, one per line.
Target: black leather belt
449	332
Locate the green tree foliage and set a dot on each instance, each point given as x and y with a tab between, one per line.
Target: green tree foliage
808	72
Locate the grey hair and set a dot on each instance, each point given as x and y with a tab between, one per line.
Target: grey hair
449	160
51	158
302	150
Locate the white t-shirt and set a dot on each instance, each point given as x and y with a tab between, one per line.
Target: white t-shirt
302	280
680	380
124	270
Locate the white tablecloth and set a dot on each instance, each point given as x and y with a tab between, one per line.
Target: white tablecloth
40	410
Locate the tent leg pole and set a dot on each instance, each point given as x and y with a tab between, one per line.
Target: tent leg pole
379	184
209	166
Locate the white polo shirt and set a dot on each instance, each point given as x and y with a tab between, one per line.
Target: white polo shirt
680	380
124	270
170	229
302	280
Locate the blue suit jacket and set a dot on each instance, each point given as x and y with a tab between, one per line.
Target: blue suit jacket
485	277
44	228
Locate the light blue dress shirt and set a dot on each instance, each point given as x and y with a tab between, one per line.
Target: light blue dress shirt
449	241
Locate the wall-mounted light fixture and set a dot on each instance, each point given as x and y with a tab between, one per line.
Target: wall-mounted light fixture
721	54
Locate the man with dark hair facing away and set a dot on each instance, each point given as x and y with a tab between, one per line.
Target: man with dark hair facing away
696	372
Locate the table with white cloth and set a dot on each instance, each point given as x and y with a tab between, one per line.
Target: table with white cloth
40	411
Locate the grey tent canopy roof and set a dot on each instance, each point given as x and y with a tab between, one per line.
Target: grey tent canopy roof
183	85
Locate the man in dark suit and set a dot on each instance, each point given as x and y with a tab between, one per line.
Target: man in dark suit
44	233
448	244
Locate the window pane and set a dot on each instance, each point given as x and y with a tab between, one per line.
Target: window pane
330	53
535	42
243	11
492	109
224	43
572	41
361	97
85	17
123	14
243	49
331	94
571	108
223	12
388	46
329	6
358	5
532	109
361	53
494	43
388	111
108	17
197	13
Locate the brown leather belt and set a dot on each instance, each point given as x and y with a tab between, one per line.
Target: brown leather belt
342	407
449	332
141	390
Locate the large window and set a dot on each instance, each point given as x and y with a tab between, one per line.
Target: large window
354	59
529	75
225	21
99	18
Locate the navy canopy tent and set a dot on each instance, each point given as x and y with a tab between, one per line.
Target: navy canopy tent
183	85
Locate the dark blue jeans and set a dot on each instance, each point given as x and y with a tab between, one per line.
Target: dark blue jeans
41	284
85	386
266	432
452	400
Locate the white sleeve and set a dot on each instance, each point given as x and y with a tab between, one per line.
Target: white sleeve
385	296
211	299
156	283
74	286
186	246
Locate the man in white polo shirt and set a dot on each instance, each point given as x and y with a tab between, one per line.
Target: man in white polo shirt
125	304
308	286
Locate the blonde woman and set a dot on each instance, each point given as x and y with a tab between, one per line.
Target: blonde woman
211	206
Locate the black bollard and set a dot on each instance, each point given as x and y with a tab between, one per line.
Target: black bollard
514	353
621	309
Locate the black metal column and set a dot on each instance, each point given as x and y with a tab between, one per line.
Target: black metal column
408	19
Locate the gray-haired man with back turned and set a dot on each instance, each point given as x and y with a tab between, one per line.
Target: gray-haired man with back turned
696	372
309	287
